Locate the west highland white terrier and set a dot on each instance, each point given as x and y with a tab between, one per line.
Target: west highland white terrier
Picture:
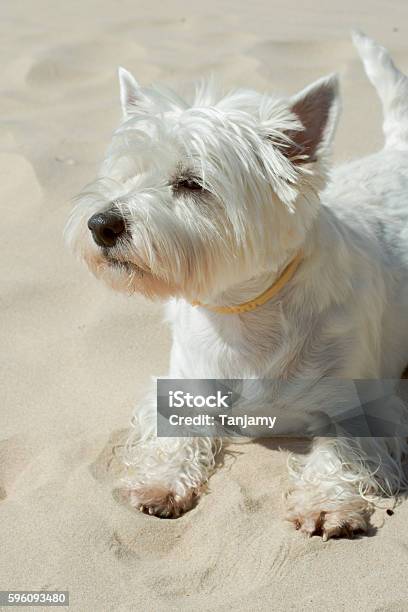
271	267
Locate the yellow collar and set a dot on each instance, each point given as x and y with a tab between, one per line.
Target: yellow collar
264	297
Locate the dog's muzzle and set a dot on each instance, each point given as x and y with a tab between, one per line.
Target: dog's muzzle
107	227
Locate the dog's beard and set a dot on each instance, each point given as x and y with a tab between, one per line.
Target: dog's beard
161	265
125	265
123	274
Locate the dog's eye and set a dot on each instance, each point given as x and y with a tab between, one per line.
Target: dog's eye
189	184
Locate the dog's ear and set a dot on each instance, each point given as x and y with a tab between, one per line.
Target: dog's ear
317	108
129	91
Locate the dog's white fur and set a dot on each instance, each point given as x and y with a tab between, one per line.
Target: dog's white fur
267	193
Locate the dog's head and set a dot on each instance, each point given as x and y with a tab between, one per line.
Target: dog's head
194	197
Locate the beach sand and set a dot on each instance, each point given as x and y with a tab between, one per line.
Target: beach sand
76	357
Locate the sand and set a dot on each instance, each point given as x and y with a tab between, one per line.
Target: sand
76	357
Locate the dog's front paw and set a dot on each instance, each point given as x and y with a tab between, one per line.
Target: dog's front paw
313	514
162	501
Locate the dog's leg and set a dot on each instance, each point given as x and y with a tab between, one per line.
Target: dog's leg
166	475
325	498
333	485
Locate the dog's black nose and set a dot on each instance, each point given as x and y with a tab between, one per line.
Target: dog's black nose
106	227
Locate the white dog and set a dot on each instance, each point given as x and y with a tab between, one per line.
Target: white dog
271	267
